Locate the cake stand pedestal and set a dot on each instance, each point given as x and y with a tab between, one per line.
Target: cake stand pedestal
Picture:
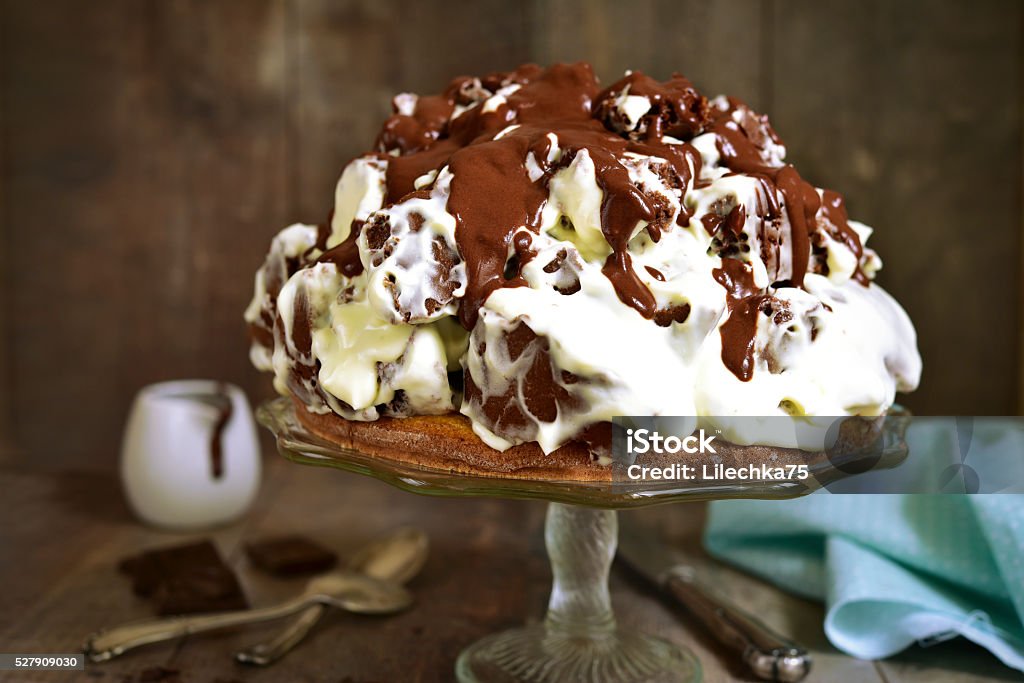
578	639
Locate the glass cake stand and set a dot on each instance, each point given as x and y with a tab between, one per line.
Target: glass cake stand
578	639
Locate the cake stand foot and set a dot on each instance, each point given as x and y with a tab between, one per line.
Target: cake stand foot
578	640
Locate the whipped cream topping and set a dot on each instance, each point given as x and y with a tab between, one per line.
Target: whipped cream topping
542	255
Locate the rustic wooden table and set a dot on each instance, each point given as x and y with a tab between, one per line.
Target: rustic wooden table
62	534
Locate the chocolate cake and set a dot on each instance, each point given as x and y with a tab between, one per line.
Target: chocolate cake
526	255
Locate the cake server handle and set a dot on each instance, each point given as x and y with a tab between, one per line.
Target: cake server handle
770	656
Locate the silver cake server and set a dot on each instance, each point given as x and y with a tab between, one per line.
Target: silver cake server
770	656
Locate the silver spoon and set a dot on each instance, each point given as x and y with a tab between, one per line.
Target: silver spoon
348	590
395	558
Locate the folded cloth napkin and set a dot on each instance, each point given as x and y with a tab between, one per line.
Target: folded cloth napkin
896	569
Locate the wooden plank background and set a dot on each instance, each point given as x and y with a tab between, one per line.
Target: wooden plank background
150	149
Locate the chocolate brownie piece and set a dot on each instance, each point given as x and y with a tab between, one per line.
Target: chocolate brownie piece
290	556
185	579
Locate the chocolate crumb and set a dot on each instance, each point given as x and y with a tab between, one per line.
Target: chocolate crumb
378	232
673	314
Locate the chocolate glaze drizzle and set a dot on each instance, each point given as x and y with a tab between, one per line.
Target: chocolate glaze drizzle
564	100
492	195
744	300
740	144
833	211
346	254
220	401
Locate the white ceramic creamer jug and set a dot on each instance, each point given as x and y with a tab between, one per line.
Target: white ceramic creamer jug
190	456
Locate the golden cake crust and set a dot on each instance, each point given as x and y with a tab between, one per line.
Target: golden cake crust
447	443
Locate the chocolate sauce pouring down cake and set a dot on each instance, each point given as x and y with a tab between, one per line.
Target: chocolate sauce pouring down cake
540	254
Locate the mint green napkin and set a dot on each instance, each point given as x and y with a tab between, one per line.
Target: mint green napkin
892	569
